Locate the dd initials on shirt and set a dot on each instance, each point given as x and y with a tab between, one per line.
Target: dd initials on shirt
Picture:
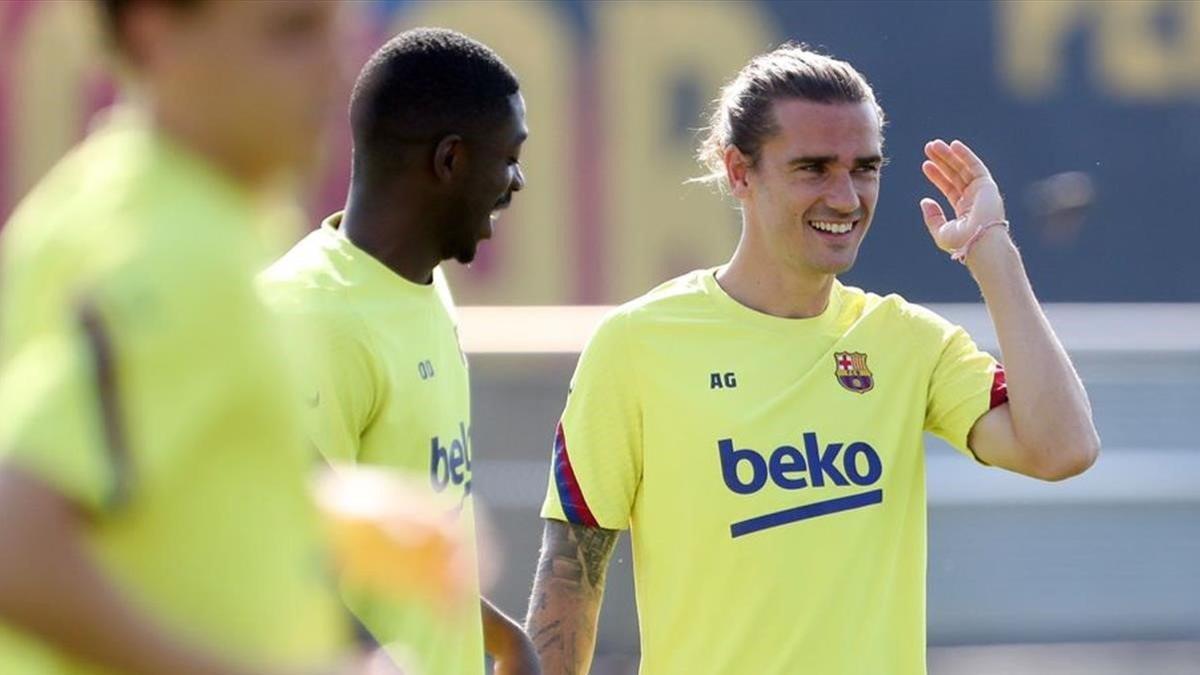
425	369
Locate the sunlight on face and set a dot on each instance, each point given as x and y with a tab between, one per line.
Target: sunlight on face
813	193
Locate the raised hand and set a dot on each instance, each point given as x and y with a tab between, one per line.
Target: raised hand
965	182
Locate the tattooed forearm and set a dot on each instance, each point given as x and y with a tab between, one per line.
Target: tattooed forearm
594	546
577	553
567	593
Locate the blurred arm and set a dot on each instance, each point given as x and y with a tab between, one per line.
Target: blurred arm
567	593
507	643
1045	430
50	588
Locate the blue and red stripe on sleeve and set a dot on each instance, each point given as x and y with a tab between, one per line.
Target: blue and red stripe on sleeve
999	387
570	495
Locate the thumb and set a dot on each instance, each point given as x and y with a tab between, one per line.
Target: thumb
934	216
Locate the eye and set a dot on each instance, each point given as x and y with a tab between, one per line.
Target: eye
867	169
815	169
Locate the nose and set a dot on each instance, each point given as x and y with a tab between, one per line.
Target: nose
841	195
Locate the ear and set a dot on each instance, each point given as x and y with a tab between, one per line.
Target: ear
449	157
737	170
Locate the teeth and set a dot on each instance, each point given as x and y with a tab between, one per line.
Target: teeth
835	228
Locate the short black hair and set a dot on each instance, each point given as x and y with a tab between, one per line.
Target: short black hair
421	86
112	14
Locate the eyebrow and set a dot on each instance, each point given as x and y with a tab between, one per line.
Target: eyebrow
830	159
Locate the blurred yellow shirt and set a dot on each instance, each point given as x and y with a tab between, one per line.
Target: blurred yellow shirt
140	376
771	472
387	385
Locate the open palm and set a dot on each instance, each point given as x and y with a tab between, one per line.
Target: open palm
965	182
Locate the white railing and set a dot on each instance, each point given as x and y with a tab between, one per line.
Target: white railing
1083	327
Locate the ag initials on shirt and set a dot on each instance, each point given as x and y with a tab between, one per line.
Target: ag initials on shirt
722	381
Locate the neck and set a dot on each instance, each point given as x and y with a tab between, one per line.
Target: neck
767	284
187	132
391	234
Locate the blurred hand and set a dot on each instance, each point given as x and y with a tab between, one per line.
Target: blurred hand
966	183
376	662
391	537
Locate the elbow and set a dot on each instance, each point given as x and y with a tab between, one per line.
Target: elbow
1069	460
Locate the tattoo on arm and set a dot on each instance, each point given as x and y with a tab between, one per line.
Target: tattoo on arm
578	553
567	593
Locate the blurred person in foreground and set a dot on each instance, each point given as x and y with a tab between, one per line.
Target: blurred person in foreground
758	426
438	122
155	508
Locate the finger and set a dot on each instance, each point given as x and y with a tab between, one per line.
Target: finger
934	217
969	160
939	153
938	177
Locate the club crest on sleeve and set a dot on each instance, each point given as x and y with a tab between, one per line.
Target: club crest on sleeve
852	372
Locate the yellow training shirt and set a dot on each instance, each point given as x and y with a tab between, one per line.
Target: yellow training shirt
387	385
771	471
139	376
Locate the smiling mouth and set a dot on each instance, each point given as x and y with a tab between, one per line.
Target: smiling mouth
833	227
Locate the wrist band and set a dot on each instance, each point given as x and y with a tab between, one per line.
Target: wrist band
960	253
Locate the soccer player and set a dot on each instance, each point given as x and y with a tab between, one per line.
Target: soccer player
438	123
155	512
758	426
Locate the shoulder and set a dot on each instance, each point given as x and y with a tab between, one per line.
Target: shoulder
894	313
79	201
318	314
635	321
680	297
117	206
316	297
306	279
324	330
